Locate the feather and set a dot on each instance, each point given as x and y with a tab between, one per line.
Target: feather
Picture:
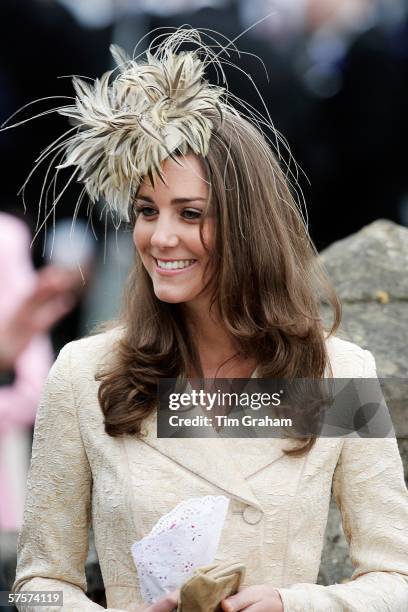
119	55
176	80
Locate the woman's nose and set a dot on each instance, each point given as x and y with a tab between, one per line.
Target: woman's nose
164	235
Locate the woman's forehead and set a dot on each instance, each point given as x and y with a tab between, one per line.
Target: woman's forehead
185	177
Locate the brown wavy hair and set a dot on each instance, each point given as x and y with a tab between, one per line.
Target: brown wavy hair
267	287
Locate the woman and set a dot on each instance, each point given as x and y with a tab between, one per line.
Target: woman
225	284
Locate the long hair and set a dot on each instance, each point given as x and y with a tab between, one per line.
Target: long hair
267	287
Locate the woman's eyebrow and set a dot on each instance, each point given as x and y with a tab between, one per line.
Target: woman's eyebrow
174	200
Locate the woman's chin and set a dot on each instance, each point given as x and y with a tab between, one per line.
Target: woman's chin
171	297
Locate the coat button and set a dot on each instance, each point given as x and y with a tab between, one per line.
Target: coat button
252	515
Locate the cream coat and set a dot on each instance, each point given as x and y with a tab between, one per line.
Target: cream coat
277	515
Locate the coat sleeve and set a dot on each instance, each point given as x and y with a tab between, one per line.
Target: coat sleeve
53	542
369	488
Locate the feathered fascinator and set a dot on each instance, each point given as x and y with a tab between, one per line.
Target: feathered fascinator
129	121
128	125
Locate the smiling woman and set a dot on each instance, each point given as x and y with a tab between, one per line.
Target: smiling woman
226	283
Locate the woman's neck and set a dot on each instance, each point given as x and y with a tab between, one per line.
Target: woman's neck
218	352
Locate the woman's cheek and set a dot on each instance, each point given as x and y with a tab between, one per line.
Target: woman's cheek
140	238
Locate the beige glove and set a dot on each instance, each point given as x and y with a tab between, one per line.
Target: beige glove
209	585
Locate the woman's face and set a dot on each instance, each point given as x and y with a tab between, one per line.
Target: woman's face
167	230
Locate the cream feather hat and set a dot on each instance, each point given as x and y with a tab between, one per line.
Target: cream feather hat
136	116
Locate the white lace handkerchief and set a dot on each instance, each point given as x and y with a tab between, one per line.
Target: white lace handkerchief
181	541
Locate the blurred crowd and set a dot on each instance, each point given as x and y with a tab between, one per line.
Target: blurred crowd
336	89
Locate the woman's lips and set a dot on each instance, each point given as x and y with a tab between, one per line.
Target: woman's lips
172	272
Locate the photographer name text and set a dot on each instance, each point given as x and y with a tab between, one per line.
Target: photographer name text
218	420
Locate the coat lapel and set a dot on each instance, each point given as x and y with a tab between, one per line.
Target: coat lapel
215	459
208	458
257	454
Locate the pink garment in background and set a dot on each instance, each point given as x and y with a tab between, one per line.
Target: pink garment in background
18	402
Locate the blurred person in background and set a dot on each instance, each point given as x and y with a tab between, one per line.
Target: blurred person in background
347	121
352	74
71	247
40	43
30	304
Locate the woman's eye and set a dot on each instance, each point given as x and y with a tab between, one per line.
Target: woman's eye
191	214
145	211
